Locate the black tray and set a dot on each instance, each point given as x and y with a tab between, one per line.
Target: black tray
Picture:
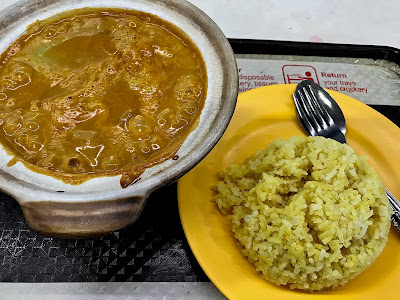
154	248
390	54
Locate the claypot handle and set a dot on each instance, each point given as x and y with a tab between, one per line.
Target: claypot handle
81	219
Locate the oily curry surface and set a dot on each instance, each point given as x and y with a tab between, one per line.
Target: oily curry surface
99	92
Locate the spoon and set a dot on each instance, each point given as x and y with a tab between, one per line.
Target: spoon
330	105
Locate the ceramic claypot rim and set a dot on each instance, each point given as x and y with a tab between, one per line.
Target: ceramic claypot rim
24	191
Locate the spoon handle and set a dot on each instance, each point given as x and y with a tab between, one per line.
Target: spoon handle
395	204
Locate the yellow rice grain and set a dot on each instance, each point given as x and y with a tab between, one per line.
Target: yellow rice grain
307	212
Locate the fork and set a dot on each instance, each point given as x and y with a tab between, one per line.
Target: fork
316	121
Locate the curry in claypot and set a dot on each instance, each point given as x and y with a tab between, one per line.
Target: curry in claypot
99	92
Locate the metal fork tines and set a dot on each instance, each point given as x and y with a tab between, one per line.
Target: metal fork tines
314	117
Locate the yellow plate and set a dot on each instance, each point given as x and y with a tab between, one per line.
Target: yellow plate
263	115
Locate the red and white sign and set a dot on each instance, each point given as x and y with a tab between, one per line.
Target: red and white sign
297	73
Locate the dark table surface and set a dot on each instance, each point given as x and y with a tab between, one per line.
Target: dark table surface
153	249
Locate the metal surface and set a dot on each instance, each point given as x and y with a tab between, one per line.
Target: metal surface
394	203
330	109
314	118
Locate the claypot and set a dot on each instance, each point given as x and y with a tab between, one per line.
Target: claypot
100	206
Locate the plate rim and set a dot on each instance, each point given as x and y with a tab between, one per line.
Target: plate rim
200	258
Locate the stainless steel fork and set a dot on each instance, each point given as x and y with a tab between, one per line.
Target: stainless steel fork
317	121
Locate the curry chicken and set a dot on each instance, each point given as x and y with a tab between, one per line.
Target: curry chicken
99	92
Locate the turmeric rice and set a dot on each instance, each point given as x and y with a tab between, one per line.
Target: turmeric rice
307	212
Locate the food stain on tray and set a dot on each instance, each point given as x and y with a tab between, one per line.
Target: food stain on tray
99	92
